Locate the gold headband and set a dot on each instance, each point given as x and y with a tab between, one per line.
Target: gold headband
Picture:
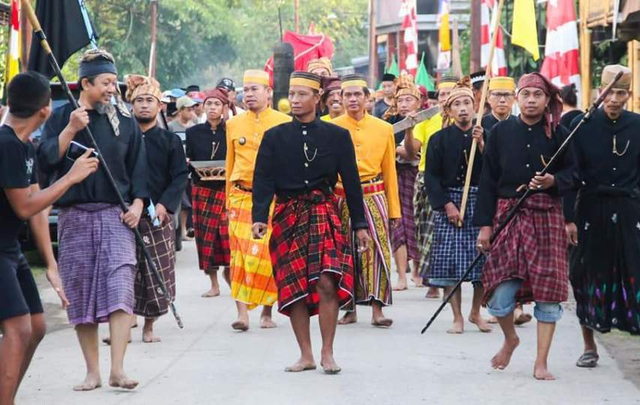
502	83
301	81
256	76
351	83
446	85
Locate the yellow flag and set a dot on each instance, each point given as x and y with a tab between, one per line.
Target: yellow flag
524	30
13	55
444	36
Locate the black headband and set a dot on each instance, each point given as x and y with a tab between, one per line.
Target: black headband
96	67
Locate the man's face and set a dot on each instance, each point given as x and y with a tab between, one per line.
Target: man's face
462	110
146	108
443	94
303	100
371	103
232	94
256	96
532	102
354	99
187	114
199	109
323	72
389	89
214	109
102	89
407	104
501	101
334	101
615	101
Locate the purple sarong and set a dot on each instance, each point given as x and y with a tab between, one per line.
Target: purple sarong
406	234
97	262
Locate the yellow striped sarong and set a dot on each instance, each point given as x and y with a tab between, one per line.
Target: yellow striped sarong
252	279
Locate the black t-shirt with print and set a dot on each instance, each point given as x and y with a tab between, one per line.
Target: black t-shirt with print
17	170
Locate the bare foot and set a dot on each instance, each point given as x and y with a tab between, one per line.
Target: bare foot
540	372
301	365
433	293
481	323
267	323
149	337
401	285
501	360
492	320
241	324
417	280
457	328
349	317
213	292
329	365
122	381
522	318
381	322
90	383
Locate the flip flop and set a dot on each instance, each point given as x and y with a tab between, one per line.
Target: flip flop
589	359
331	371
292	369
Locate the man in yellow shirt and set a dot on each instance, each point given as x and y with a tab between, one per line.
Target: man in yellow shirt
416	141
252	282
375	154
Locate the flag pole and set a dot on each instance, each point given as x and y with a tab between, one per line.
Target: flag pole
483	99
103	164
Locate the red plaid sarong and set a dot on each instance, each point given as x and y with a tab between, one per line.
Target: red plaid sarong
211	227
308	240
532	248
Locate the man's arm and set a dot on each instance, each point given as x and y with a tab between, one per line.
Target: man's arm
390	176
229	161
171	196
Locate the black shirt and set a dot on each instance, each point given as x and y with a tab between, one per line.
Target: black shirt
447	161
205	143
568	118
490	120
125	155
168	174
399	136
283	168
597	168
17	170
380	108
513	153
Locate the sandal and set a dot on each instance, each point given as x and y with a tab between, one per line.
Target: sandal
589	359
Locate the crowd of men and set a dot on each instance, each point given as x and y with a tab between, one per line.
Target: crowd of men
307	209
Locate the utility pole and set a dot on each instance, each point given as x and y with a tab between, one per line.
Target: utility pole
373	45
153	52
476	47
296	14
25	33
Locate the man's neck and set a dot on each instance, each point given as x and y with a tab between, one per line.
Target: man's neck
356	115
258	110
464	127
500	117
214	123
22	128
184	122
388	100
306	118
147	126
335	114
530	120
613	116
84	102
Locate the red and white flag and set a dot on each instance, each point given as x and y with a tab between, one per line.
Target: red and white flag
561	55
410	28
499	65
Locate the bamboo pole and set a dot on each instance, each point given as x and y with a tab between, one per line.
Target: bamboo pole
483	99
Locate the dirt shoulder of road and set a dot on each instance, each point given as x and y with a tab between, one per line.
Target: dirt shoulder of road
625	349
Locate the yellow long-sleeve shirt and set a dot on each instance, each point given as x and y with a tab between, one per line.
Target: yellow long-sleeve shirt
423	132
244	134
376	154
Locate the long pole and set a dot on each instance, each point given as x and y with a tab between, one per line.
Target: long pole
483	99
154	48
373	51
296	13
455	54
103	164
512	213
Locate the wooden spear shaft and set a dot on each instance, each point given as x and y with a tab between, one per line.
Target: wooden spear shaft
483	99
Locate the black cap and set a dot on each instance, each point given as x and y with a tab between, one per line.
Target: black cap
192	87
388	77
432	95
227	84
478	77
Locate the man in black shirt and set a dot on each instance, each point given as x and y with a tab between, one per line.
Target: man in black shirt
208	142
21	313
501	98
527	262
453	247
97	250
167	180
605	262
299	162
389	91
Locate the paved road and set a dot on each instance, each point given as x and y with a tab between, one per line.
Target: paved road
209	363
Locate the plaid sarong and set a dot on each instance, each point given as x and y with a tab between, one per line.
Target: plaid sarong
532	248
211	227
406	233
307	241
373	278
424	217
97	262
454	248
252	280
160	243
